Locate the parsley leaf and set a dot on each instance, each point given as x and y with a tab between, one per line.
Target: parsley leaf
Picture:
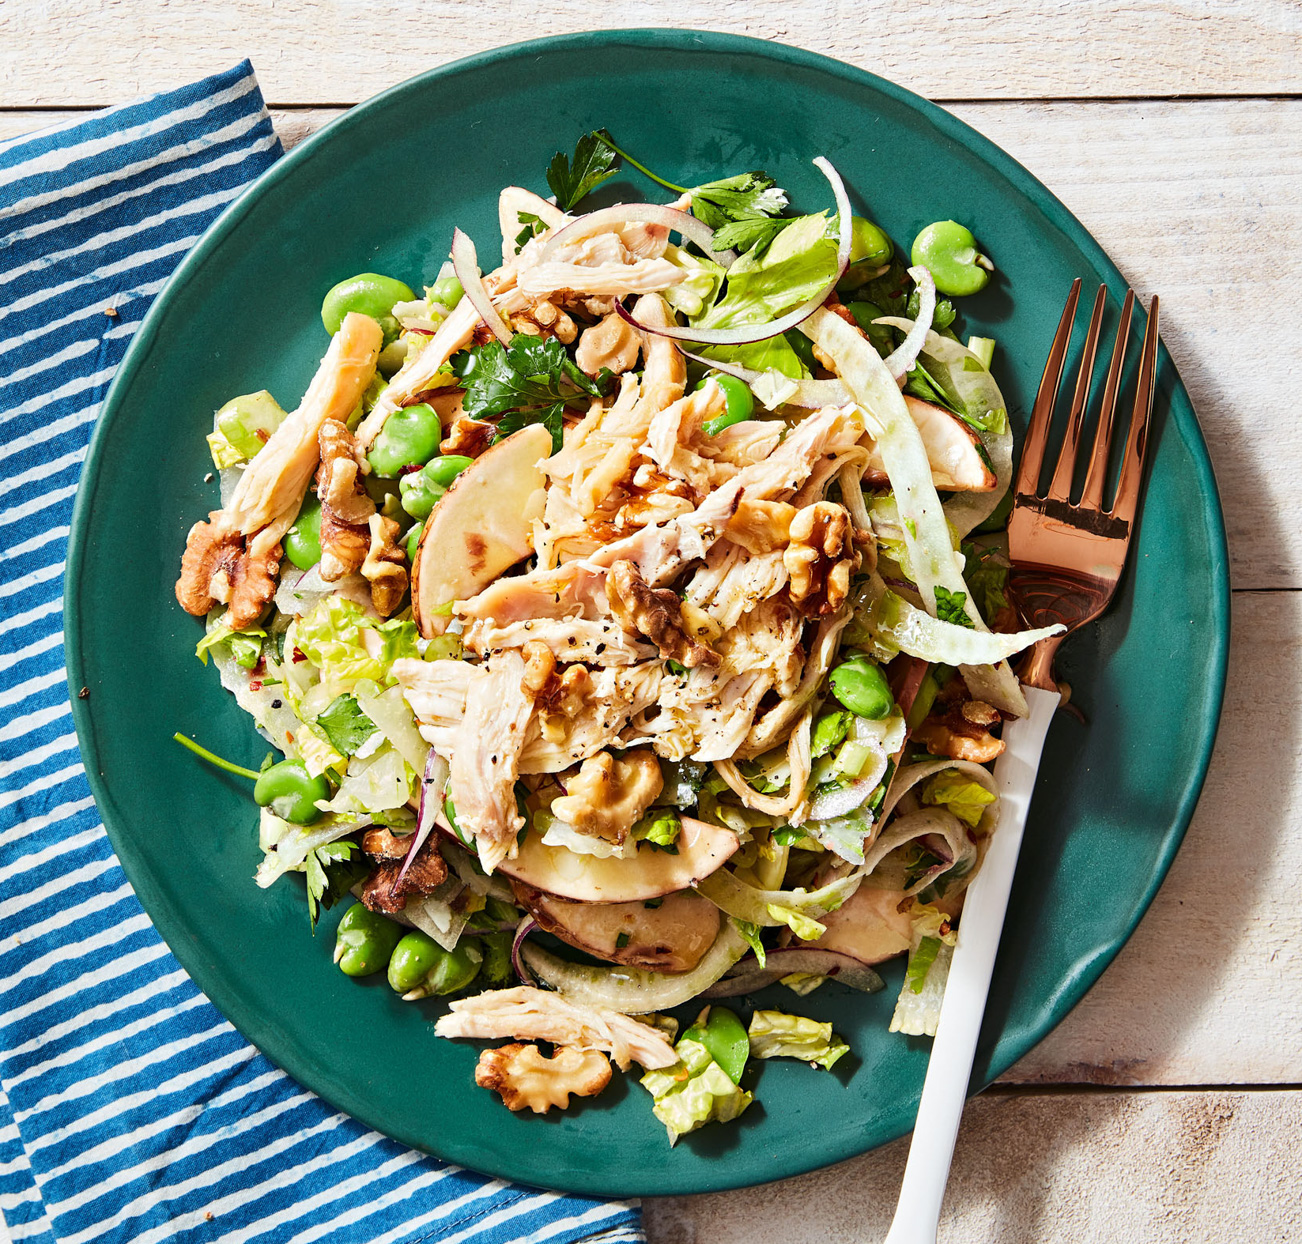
595	160
332	871
754	233
748	196
533	226
345	725
530	381
950	607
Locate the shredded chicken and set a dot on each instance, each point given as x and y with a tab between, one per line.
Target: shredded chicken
527	1079
529	1014
485	756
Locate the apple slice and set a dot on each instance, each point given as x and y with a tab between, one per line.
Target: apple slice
650	873
868	926
953	449
669	937
480	527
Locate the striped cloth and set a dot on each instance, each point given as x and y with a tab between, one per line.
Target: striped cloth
129	1109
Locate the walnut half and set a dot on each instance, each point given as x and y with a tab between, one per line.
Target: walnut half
962	732
607	796
527	1079
658	614
821	557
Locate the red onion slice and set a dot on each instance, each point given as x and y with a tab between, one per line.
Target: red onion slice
906	353
522	930
744	334
431	800
808	394
465	263
749	977
606	218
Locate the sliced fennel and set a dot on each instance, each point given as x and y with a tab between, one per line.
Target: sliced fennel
744	902
635	991
892	619
932	556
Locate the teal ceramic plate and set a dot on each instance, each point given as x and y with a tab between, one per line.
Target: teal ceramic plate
380	190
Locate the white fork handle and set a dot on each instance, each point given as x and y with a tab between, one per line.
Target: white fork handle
945	1089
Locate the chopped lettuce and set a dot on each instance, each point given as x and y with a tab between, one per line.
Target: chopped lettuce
348	645
775	1034
802	983
804	927
965	798
660	828
378	783
917	1012
751	932
768	281
694	1091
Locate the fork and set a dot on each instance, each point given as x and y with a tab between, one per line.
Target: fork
1066	560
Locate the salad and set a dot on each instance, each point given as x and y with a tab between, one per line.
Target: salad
629	626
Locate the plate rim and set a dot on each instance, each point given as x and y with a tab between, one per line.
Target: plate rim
648	39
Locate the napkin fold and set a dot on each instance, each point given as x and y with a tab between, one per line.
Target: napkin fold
129	1108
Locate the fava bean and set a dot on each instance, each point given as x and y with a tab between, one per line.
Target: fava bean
870	248
413	541
740	402
860	686
410	437
291	792
447	291
369	293
421	489
365	941
948	250
421	968
303	539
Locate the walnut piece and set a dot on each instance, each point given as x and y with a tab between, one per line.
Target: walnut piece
385	565
655	613
821	557
217	567
546	319
607	796
761	526
961	731
382	891
345	507
560	699
613	343
468	437
211	549
528	1079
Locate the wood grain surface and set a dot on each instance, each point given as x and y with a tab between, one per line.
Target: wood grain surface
1165	1107
341	52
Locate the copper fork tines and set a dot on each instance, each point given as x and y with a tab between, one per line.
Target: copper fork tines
1067	556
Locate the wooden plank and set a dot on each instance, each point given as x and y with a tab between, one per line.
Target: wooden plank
1163	1167
1206	990
1192	200
969	49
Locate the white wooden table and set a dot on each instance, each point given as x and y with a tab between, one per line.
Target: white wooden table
1165	1108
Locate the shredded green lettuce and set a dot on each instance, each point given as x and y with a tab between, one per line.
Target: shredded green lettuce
965	798
775	1034
693	1092
331	636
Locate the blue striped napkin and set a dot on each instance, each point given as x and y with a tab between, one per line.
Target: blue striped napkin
129	1109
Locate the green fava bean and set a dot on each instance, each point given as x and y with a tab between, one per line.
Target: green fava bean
870	248
740	402
410	437
413	542
447	291
422	489
365	941
802	347
421	968
303	539
291	792
948	250
860	686
369	293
